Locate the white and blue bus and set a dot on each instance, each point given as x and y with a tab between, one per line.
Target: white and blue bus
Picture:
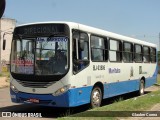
66	64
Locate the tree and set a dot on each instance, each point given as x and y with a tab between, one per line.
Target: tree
50	53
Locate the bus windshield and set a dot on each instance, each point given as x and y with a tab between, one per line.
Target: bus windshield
40	55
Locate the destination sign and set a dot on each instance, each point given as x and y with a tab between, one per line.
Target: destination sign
41	29
53	39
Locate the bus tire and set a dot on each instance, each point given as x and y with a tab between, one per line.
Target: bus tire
96	97
141	87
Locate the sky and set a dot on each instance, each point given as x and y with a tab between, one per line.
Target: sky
134	18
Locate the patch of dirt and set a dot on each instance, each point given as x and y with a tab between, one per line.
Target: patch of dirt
4	82
152	88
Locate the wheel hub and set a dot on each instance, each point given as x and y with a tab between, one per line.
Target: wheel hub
96	97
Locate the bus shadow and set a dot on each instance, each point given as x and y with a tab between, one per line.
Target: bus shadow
122	97
50	112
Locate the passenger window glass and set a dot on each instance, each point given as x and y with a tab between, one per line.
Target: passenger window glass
98	48
153	55
114	45
146	54
138	53
127	52
138	49
115	52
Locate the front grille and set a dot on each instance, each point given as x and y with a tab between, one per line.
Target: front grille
35	84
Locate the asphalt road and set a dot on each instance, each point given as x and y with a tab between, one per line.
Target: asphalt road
47	112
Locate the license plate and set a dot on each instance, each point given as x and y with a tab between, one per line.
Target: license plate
33	100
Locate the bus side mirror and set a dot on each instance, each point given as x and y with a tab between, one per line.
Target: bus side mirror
4	44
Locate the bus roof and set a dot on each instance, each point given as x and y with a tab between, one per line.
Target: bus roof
96	31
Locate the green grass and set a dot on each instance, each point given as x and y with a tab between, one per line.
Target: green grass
135	104
4	74
118	99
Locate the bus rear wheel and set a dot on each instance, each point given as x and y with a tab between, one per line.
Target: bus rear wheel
141	87
96	97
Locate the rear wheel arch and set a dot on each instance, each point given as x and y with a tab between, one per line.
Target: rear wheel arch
100	85
144	79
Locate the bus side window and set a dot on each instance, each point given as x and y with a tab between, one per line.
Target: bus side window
153	55
146	53
127	52
138	53
115	53
99	50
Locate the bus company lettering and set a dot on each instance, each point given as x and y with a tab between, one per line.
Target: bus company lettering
98	67
114	70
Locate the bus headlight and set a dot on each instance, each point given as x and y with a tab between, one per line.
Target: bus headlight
62	90
14	88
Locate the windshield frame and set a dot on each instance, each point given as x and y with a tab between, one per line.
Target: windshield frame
43	78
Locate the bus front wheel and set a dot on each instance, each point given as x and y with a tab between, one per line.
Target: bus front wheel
96	97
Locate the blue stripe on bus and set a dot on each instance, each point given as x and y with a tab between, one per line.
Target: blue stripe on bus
78	96
156	71
150	81
118	88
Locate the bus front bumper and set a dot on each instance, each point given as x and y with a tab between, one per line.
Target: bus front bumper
40	99
71	98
